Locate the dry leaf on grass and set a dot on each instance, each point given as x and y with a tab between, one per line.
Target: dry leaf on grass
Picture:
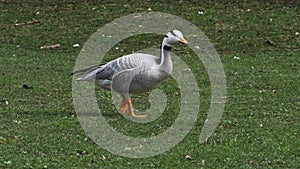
51	46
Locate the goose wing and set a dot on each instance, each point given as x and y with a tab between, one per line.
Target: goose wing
108	70
137	80
122	80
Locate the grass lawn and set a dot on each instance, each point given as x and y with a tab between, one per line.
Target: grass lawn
258	43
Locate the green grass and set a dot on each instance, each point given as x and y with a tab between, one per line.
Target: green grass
260	125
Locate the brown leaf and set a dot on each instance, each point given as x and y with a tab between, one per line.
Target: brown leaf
51	46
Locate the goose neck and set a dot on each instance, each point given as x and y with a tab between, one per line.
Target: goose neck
165	57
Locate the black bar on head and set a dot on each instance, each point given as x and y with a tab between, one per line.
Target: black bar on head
172	32
167	48
166	36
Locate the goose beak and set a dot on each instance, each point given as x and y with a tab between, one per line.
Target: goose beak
182	40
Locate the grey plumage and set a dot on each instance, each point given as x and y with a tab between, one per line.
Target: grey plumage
145	68
134	73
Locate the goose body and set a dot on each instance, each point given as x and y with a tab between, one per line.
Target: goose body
134	73
145	67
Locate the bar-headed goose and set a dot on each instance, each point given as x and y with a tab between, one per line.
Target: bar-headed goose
134	73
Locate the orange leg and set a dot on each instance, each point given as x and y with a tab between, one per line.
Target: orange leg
123	106
126	102
131	113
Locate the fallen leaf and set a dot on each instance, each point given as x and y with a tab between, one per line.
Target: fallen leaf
188	157
51	46
76	45
25	86
7	162
200	12
236	57
270	42
81	152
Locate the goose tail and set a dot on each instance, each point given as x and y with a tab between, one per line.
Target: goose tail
88	73
88	69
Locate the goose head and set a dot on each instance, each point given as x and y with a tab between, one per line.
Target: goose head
174	37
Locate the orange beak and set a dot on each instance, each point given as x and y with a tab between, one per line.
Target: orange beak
182	40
